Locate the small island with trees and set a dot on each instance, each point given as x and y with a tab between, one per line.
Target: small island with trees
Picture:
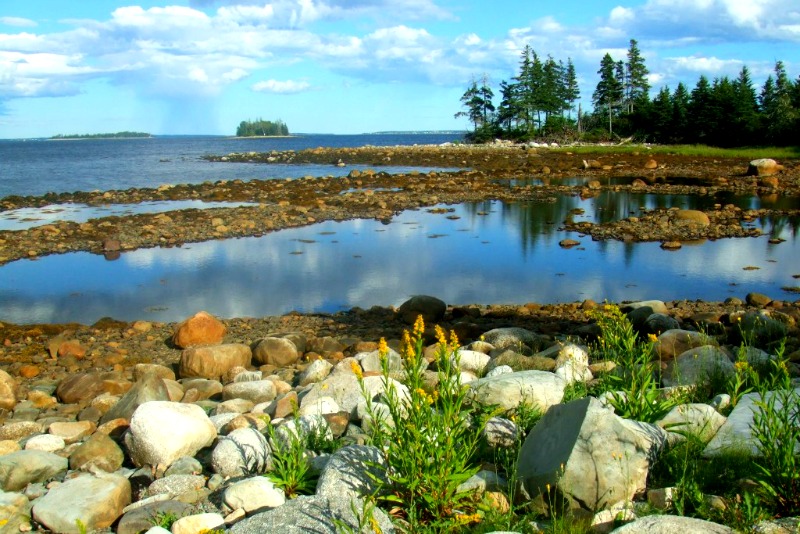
262	128
118	135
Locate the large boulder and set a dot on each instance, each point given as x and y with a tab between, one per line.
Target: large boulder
691	217
763	167
432	309
671	524
700	420
15	512
515	338
66	507
149	388
253	494
277	351
675	342
98	452
537	389
244	451
352	471
85	386
20	468
590	458
698	365
200	329
213	362
161	432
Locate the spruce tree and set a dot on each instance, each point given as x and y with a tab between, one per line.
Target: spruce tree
636	84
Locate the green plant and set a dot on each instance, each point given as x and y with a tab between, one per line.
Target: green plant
428	439
291	468
744	513
365	519
632	385
164	519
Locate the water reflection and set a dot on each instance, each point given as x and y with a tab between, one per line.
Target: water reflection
484	252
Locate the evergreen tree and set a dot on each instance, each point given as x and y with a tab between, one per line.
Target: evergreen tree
636	85
661	116
570	84
776	106
477	100
701	112
609	91
746	108
680	114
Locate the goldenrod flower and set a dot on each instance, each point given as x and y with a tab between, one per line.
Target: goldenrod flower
383	348
356	369
453	339
440	336
652	337
419	326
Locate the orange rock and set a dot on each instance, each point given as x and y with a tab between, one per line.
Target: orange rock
651	164
200	329
71	348
29	371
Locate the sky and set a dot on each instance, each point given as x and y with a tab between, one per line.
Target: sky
344	66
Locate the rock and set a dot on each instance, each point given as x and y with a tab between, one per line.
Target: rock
72	432
371	361
64	507
71	348
472	361
15	511
45	442
500	432
651	164
140	370
537	389
161	432
254	494
142	518
572	363
192	524
97	452
654	306
671	524
83	386
214	361
700	420
314	513
200	329
432	309
736	434
20	468
8	391
317	371
568	243
255	392
695	217
757	299
698	365
177	486
513	338
658	323
592	458
763	167
342	387
148	388
671	245
17	430
675	342
352	471
244	451
759	328
277	351
321	406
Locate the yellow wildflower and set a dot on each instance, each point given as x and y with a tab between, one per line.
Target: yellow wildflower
383	348
742	366
419	326
453	339
373	523
440	336
652	337
356	369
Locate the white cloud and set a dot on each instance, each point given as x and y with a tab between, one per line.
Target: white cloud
621	15
710	66
281	87
18	22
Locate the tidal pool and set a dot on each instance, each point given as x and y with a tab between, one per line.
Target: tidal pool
487	252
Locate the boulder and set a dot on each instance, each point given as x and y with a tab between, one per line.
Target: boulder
588	456
658	323
192	524
20	468
254	494
83	386
352	471
244	451
65	508
15	513
256	392
8	391
537	389
700	420
675	342
214	361
181	487
342	387
430	308
514	338
142	518
277	351
161	432
98	452
763	167
698	365
691	217
671	524
149	388
315	372
72	431
200	329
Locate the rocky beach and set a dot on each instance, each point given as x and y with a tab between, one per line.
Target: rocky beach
113	425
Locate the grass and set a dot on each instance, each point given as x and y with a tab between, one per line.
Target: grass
748	153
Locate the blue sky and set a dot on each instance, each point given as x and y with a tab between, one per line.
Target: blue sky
343	66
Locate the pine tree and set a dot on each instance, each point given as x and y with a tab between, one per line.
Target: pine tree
570	83
636	85
779	114
609	92
662	115
701	111
680	114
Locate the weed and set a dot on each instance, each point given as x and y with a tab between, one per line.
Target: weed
291	468
164	519
428	438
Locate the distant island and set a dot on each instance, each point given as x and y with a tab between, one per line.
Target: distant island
118	135
262	128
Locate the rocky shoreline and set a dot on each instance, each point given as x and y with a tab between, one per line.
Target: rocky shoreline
492	173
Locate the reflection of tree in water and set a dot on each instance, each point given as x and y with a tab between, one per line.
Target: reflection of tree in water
782	226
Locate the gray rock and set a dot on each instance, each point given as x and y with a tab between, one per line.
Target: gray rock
253	495
658	323
500	432
473	362
20	468
161	432
311	514
185	466
671	524
256	392
149	388
97	452
700	420
15	510
352	471
344	389
673	343
317	371
64	506
140	519
244	451
592	458
371	361
513	338
698	365
176	485
538	389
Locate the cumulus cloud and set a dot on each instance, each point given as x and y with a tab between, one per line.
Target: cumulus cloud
18	21
281	87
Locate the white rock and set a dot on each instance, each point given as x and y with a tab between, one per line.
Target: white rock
45	442
242	452
161	432
253	494
192	524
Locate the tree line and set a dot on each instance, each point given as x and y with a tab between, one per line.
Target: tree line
539	102
260	127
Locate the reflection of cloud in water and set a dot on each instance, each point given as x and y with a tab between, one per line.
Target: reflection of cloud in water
365	263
